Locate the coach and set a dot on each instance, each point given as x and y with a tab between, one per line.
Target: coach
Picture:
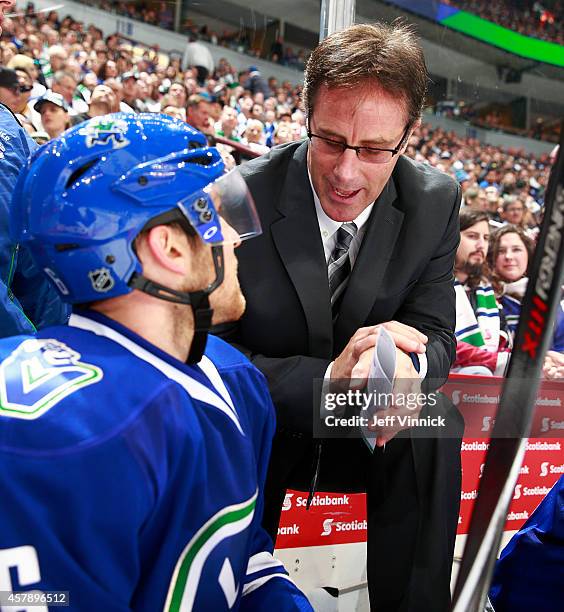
357	235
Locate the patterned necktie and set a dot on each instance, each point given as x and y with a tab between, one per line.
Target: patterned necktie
339	266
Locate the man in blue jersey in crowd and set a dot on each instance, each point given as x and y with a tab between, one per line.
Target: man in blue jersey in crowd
133	464
27	299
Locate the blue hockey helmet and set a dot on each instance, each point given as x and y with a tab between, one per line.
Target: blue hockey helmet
84	197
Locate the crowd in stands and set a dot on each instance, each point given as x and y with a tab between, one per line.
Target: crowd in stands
58	72
241	39
492	118
544	20
502	207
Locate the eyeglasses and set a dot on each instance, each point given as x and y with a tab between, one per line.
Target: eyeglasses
371	155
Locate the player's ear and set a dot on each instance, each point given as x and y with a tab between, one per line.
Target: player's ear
167	247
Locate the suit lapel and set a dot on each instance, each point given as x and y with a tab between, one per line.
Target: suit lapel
370	266
298	241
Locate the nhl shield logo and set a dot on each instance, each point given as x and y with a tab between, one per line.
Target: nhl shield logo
102	280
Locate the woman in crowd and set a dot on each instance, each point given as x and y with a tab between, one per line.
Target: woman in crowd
511	251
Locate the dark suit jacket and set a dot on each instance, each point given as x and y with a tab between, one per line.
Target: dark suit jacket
404	271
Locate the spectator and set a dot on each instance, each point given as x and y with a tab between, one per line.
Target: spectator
511	253
175	112
131	92
10	94
102	102
513	211
64	83
277	50
228	124
117	88
58	57
255	82
23	62
481	334
25	112
107	70
254	136
198	114
470	197
54	112
246	109
177	94
494	202
283	133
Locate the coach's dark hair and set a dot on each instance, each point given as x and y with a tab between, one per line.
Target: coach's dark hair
377	54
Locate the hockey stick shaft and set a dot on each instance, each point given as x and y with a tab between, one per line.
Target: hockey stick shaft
515	412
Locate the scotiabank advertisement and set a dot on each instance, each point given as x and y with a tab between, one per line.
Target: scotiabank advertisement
341	518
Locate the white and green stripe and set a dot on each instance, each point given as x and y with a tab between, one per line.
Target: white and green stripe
227	522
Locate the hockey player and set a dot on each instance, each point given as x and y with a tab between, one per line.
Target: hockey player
133	466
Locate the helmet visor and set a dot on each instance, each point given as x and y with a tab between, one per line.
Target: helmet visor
227	197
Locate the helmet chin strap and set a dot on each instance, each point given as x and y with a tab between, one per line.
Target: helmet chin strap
198	300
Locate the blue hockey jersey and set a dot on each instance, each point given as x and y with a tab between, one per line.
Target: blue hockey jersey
529	573
27	298
134	481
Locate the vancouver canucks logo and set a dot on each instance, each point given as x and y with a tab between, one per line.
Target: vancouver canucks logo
104	132
102	280
38	375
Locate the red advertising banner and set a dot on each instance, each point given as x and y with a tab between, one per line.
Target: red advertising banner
341	518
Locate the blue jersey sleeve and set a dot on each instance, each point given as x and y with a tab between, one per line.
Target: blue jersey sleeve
28	301
528	575
267	583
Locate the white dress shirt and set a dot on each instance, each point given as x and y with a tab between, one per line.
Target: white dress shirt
328	230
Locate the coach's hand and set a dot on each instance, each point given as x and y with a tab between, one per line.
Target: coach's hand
405	392
353	364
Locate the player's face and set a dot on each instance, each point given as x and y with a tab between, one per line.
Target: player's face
344	184
512	258
473	246
227	300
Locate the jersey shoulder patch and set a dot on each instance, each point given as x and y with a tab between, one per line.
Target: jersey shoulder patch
38	374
